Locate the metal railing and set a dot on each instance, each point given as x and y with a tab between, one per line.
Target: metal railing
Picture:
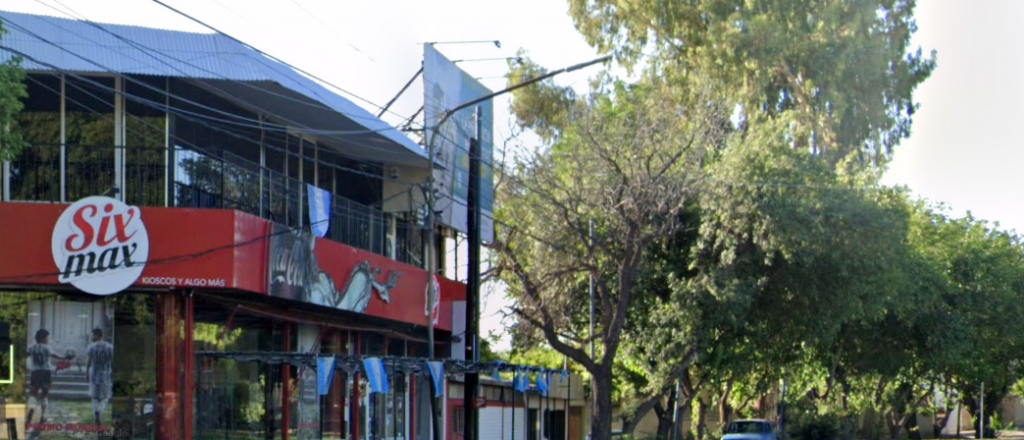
200	180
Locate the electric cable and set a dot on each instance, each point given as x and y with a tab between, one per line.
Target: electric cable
129	129
317	19
179	12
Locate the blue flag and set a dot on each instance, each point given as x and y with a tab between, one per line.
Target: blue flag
565	374
319	210
375	374
521	382
542	382
497	370
325	374
437	374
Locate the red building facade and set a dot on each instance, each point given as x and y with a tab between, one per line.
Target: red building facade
159	266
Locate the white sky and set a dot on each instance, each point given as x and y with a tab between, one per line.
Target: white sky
960	152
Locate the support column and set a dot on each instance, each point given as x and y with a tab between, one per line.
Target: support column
63	141
119	139
169	366
190	365
286	380
169	160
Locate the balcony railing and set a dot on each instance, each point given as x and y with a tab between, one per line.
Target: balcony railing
199	180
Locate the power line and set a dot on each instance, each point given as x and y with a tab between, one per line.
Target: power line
159	106
147	50
317	19
179	12
194	146
163	107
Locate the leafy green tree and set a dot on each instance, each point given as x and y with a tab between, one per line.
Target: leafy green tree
838	74
629	161
984	268
12	90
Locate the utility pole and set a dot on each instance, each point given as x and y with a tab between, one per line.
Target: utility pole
981	419
593	402
675	409
782	412
473	281
474	261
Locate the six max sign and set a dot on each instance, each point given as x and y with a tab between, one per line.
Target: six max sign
100	245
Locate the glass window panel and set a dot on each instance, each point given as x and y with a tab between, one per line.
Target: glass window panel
89	121
35	171
145	142
82	365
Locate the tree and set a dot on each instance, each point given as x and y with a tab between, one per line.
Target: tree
837	73
12	90
629	161
984	269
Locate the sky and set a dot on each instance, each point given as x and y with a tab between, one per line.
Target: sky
960	152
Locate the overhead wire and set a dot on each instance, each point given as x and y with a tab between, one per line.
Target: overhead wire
147	137
317	19
137	45
159	106
179	12
458	127
252	123
283	128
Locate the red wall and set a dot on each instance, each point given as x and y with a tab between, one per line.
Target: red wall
211	249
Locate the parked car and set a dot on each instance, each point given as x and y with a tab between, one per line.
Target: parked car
749	430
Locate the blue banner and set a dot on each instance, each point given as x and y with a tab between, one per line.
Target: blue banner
521	381
437	374
375	374
319	210
497	370
542	382
325	374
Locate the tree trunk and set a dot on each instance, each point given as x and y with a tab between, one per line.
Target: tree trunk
665	420
895	428
602	386
723	404
913	430
701	410
630	421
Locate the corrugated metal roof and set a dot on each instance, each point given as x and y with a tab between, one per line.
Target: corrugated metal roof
78	46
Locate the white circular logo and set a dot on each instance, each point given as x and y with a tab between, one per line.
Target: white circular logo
100	245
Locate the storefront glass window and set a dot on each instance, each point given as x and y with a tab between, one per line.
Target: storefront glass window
235	399
82	365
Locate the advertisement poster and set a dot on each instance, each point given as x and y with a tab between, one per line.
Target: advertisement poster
70	360
445	87
309	405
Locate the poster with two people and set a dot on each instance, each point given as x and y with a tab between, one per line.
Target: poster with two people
70	359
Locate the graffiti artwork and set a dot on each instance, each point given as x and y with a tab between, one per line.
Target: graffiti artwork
296	274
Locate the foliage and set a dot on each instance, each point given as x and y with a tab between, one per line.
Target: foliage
839	73
788	260
12	90
626	160
816	427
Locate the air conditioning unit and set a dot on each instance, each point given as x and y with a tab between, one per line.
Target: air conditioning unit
394	172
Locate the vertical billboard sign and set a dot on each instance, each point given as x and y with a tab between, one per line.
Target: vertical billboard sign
445	86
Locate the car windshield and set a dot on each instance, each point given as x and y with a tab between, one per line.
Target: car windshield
748	427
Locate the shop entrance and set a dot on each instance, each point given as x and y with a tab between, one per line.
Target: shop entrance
239	396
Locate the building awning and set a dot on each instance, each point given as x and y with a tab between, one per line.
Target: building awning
216	63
